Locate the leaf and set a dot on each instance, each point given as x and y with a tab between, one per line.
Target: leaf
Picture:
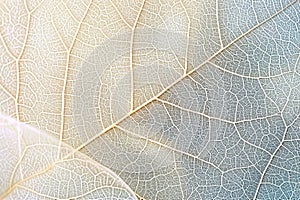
177	99
31	170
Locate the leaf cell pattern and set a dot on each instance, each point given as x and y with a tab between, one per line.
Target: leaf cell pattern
150	99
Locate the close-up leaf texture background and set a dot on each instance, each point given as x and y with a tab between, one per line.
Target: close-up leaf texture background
150	99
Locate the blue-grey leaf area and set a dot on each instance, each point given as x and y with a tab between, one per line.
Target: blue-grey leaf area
229	129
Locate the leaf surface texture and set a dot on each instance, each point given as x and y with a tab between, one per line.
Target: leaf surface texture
150	99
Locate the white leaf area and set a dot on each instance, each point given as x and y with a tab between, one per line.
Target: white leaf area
149	99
